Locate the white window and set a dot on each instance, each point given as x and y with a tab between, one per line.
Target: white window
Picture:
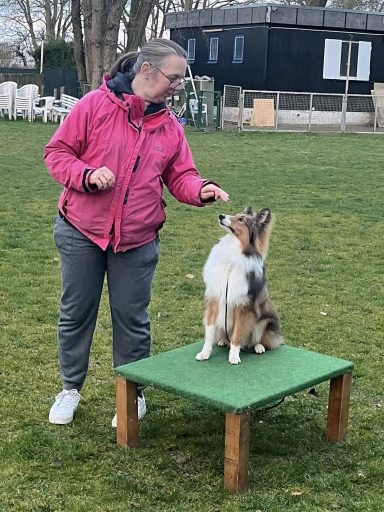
213	49
336	59
191	50
238	49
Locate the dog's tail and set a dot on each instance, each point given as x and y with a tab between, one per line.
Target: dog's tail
271	339
271	336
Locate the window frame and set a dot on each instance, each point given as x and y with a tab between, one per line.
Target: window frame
234	59
189	44
210	59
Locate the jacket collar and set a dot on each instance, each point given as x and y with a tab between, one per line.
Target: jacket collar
136	107
121	84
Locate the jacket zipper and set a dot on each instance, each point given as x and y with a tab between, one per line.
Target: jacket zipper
139	126
133	170
137	161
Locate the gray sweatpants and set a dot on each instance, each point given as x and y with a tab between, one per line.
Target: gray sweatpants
83	268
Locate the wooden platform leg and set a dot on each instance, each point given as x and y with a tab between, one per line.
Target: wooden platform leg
236	457
126	409
338	407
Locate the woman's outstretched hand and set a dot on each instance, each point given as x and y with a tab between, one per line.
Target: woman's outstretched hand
211	192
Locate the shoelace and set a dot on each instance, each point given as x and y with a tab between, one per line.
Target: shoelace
65	398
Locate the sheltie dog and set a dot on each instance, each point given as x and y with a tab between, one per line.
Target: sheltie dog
238	310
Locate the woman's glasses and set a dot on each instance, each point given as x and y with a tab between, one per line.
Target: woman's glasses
180	81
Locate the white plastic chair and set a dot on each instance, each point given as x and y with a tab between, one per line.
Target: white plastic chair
60	112
7	98
43	106
25	101
194	109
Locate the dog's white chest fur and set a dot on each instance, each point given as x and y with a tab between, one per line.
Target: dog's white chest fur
226	270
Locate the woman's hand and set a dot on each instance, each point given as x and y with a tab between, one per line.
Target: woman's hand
103	178
213	192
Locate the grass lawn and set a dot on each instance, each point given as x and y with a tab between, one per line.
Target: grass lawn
325	272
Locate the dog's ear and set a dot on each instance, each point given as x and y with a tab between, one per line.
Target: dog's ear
248	210
263	217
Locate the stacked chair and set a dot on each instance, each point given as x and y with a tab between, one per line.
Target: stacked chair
7	98
25	100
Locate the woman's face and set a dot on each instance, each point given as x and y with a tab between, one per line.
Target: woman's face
161	81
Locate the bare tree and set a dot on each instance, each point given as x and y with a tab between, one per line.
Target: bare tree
135	22
157	18
20	18
57	18
96	42
78	41
26	22
19	52
6	54
363	5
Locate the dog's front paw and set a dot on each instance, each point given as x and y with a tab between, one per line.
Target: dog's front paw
203	356
234	355
259	348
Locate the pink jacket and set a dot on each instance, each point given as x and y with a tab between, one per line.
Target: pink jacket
142	152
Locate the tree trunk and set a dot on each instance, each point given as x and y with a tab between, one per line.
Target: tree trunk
78	42
98	32
26	11
101	30
56	18
49	23
87	36
19	52
138	19
115	13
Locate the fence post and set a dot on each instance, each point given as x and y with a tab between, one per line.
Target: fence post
277	110
222	102
241	112
344	112
345	97
188	113
310	111
218	98
199	109
375	120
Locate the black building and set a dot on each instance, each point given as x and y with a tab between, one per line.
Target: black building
283	48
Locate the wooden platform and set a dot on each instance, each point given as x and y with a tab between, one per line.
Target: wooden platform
258	381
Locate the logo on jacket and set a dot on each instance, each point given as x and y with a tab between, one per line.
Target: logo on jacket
159	149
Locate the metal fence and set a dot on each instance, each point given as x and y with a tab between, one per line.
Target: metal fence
290	111
53	81
201	111
22	76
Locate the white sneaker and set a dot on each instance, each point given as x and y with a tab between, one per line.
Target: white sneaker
65	405
141	410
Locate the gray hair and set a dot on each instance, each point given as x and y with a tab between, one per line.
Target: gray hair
154	52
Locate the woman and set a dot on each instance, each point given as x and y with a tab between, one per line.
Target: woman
112	154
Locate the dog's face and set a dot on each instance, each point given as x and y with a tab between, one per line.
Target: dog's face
251	229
